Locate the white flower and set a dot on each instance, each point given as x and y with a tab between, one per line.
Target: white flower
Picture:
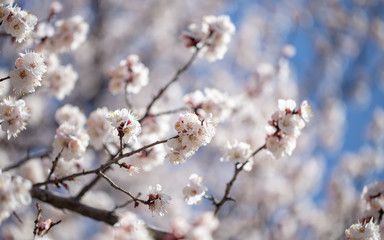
281	147
28	74
305	111
157	199
70	114
130	75
236	152
98	128
130	227
373	198
291	124
288	105
14	193
17	22
363	231
194	191
61	81
71	141
126	124
13	116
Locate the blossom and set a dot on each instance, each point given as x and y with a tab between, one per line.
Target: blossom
194	191
13	114
236	152
157	199
98	128
193	133
213	37
130	227
14	193
17	22
29	71
61	81
363	231
131	75
373	199
70	141
70	114
126	124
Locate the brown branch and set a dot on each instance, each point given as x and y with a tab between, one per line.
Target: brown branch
174	79
126	203
25	160
225	198
36	228
54	164
103	166
4	78
168	112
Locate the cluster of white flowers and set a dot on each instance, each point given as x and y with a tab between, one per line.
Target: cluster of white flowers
69	35
99	128
70	114
373	199
14	193
203	228
130	76
285	127
28	74
126	124
70	141
193	133
237	152
130	227
60	79
157	200
363	231
13	116
215	34
214	101
17	22
194	191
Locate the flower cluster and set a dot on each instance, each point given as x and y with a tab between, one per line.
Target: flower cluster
237	152
130	227
130	76
13	116
71	141
373	199
98	128
203	228
59	79
213	36
70	34
285	127
17	22
212	101
28	74
157	199
126	125
194	191
70	114
14	193
359	231
193	133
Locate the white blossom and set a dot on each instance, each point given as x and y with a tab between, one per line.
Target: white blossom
130	227
130	76
126	124
157	199
194	191
13	116
363	231
61	80
70	114
70	141
236	152
99	128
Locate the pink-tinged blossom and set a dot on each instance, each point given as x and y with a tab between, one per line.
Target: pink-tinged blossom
213	36
61	81
194	191
17	22
70	114
193	133
130	227
126	125
130	76
99	128
363	231
28	74
13	116
373	199
70	141
157	200
236	152
14	193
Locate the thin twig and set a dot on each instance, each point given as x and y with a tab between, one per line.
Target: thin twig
86	188
126	97
126	203
36	228
135	199
17	217
103	166
54	163
168	112
26	159
225	198
174	79
5	78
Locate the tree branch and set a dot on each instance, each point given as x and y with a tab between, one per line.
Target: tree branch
25	160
